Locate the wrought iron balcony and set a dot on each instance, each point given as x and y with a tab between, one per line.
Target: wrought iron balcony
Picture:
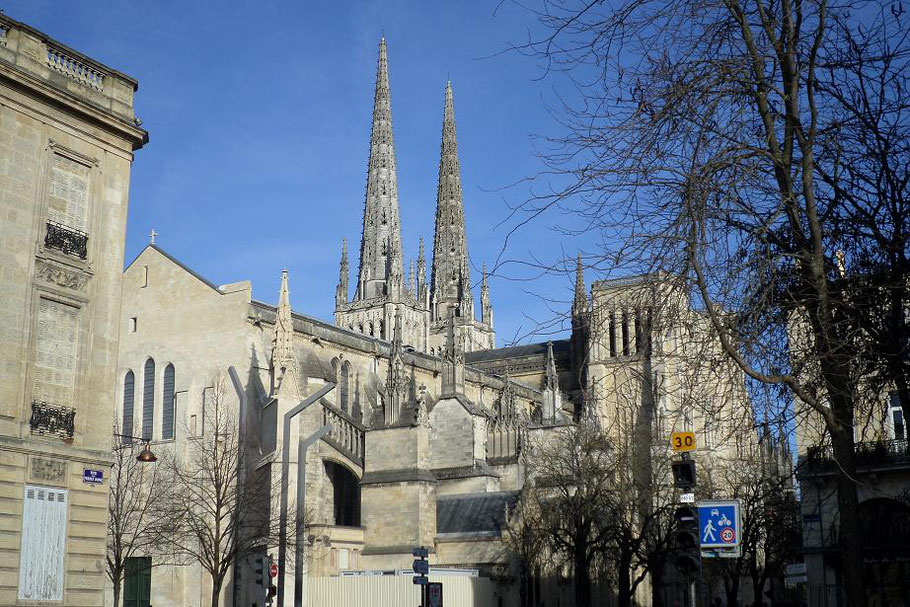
66	240
868	454
52	419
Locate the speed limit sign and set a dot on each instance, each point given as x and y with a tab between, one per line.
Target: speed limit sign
682	441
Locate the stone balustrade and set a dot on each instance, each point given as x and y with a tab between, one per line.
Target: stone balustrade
346	435
75	68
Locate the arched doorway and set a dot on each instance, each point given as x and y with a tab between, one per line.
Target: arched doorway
345	494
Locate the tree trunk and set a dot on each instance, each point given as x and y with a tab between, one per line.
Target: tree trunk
657	581
624	589
732	589
582	575
216	590
117	584
848	505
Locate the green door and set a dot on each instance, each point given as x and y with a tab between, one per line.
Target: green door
137	582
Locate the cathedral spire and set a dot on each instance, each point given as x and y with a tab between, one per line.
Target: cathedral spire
451	279
341	291
381	268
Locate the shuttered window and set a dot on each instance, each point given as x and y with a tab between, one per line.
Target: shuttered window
67	202
148	399
129	390
55	352
43	544
167	409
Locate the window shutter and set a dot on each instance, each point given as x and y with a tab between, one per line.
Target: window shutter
55	352
43	544
68	199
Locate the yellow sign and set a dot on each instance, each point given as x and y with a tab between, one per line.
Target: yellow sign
682	441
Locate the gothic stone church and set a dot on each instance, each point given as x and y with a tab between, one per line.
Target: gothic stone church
428	419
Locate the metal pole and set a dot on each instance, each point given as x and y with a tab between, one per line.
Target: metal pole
241	397
302	446
285	465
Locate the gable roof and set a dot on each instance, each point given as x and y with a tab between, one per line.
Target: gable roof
176	262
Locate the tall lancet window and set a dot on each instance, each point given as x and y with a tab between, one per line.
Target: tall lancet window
129	390
344	387
148	399
167	409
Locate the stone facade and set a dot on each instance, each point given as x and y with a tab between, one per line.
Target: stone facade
67	139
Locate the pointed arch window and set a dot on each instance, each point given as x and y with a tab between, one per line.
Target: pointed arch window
148	399
129	391
167	409
344	387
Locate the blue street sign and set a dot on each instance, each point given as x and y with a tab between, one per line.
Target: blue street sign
92	477
719	523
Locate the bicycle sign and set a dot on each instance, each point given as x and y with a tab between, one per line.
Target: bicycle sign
682	441
719	523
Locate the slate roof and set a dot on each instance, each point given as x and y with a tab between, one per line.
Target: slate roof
474	512
478	356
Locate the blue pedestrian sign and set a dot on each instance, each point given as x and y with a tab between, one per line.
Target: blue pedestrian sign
719	523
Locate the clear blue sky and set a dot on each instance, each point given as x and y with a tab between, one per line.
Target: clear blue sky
259	119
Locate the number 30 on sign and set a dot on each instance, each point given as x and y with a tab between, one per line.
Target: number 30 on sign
682	441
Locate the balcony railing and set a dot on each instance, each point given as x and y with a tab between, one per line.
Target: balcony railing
66	240
868	454
55	420
346	434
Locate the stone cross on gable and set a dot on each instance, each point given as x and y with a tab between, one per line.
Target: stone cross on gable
152	235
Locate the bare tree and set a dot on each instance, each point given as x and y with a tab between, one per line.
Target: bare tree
223	495
700	136
587	508
136	518
571	492
762	479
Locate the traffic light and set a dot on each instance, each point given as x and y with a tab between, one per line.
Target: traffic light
686	543
259	570
684	473
272	591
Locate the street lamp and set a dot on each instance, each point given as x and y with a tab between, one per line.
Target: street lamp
145	456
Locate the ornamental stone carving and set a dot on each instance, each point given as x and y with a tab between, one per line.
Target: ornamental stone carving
50	470
62	277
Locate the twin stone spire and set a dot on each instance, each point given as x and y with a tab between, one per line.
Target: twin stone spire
383	299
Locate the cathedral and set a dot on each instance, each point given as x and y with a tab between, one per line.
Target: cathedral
400	424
